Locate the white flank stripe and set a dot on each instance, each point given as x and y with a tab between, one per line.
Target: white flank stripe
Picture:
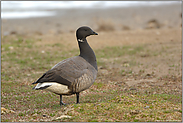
41	85
54	87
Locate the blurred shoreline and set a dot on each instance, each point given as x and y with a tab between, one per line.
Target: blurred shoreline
111	19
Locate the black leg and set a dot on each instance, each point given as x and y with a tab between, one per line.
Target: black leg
61	102
77	96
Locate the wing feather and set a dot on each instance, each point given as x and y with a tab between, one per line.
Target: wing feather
65	72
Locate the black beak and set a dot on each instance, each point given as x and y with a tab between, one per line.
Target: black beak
94	33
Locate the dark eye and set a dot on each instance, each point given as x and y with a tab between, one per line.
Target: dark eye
85	30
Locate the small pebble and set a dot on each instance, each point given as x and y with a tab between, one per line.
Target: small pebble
10	47
146	107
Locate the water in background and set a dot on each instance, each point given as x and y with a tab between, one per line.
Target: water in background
28	9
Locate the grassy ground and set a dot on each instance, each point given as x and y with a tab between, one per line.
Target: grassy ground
137	82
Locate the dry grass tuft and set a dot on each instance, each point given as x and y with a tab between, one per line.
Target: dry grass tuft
105	25
153	24
124	27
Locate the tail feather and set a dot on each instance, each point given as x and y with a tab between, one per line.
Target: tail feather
39	79
41	86
34	82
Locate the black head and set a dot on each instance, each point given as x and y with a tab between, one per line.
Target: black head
83	32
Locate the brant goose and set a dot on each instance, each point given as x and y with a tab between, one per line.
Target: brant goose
72	75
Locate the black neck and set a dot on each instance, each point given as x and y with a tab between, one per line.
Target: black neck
87	53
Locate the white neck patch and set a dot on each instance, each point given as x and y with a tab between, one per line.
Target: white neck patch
80	40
